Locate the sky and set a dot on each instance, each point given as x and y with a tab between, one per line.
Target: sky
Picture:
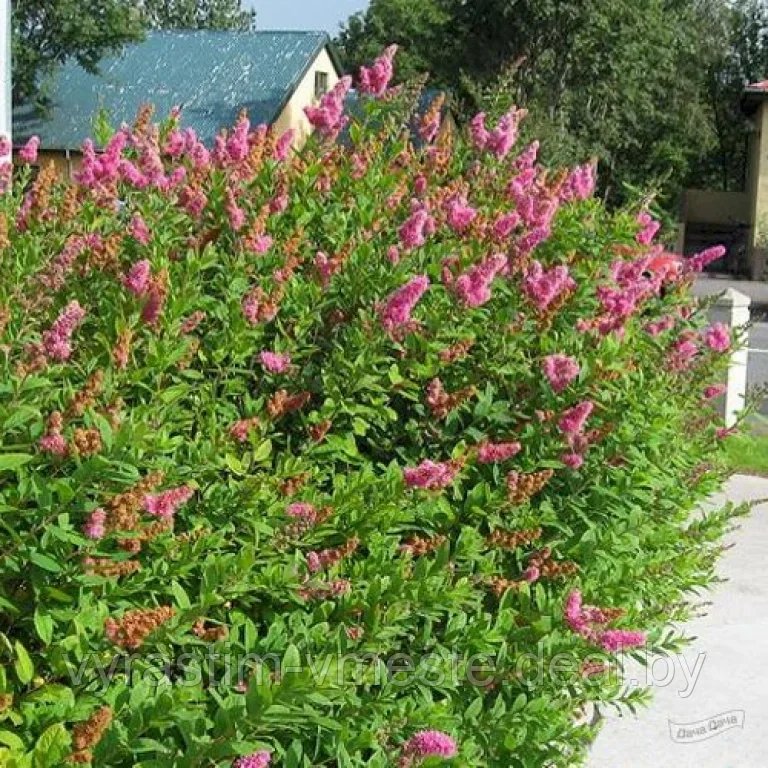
304	14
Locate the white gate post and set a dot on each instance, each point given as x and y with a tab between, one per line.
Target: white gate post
735	306
5	71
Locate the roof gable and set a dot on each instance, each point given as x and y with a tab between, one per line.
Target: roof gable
212	75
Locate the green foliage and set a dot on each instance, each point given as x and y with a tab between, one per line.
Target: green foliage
197	14
325	654
46	34
650	88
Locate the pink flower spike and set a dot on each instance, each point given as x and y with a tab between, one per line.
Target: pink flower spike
714	391
166	503
139	231
573	420
473	288
274	362
431	475
95	527
426	744
560	371
491	453
615	640
57	340
374	80
28	153
573	460
138	278
397	310
256	760
718	337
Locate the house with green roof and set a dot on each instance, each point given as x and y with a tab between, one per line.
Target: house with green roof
211	75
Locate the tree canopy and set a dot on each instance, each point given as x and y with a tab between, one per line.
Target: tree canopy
650	87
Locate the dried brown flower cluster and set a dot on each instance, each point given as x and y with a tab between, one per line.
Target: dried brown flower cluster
293	485
210	634
456	351
522	486
418	546
89	733
441	403
318	431
551	569
103	566
86	442
282	403
85	398
513	539
136	625
5	241
121	352
123	509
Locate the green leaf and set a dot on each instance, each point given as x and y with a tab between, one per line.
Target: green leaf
12	461
52	746
25	669
45	562
44	626
181	597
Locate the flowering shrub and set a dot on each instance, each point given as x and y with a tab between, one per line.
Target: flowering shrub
303	453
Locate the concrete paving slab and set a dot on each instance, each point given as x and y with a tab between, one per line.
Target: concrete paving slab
710	707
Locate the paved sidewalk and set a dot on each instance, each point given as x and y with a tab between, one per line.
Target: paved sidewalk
732	651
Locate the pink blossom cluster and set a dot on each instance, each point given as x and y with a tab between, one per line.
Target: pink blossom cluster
274	362
166	503
702	260
426	744
542	287
242	429
396	311
95	525
718	337
589	621
473	288
682	353
500	140
560	371
716	390
57	341
648	228
431	475
580	184
55	275
328	117
459	214
416	228
657	327
492	453
28	153
302	510
573	420
139	230
138	278
374	80
505	224
256	760
327	558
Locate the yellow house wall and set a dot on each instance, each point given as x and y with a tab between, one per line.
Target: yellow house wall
293	115
711	206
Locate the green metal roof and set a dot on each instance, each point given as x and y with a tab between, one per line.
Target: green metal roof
212	75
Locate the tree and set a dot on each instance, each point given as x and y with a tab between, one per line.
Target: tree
48	32
625	81
197	14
